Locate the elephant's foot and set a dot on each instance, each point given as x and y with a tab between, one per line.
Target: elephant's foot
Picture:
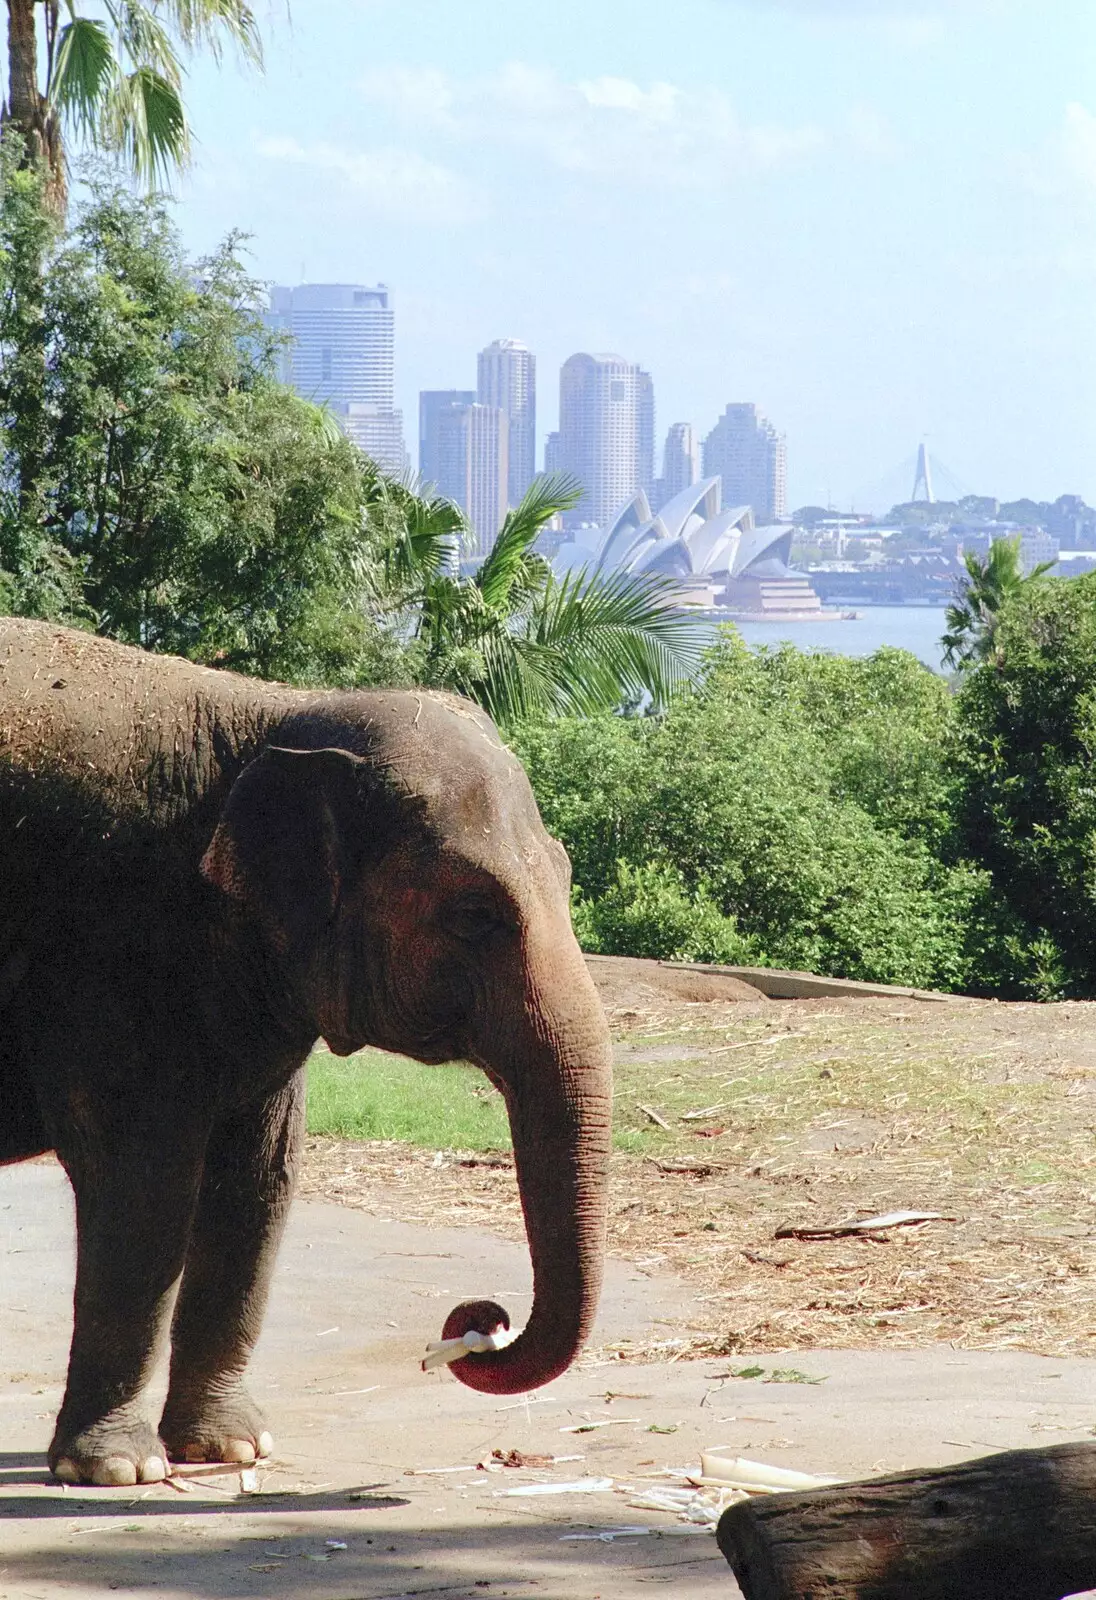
114	1451
222	1427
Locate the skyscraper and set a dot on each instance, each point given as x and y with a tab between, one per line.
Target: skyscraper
606	433
680	464
507	378
486	441
343	354
470	462
746	451
434	404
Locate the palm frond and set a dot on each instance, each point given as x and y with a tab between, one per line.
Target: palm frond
520	678
619	635
149	124
204	23
546	497
143	39
84	69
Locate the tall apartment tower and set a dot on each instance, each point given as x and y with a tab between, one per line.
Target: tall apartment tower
342	354
680	464
486	442
470	459
436	407
507	378
606	433
746	451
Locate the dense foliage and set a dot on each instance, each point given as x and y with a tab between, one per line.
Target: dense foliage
1028	783
156	482
794	810
862	818
159	484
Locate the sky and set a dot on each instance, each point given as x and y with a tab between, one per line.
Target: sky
874	218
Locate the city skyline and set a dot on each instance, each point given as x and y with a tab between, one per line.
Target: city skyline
878	222
342	340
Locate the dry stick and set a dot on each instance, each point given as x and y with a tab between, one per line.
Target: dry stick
1017	1526
750	1044
654	1116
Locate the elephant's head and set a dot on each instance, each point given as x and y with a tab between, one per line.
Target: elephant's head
390	854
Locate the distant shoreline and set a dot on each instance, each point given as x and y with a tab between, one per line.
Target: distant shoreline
916	628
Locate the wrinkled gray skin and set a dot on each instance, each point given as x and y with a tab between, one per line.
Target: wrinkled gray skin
199	875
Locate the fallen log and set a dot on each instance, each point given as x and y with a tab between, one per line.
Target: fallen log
1015	1526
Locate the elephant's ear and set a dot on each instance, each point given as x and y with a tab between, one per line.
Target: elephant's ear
283	843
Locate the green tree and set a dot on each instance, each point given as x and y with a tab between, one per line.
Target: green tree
187	500
793	808
110	74
974	616
1028	764
516	638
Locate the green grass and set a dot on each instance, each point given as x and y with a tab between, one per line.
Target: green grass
372	1095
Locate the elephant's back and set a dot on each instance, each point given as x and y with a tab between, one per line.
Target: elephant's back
113	763
138	729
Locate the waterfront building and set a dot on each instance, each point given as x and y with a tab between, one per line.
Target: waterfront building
1036	547
341	353
745	450
435	405
717	556
606	433
507	378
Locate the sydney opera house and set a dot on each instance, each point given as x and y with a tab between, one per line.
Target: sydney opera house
722	561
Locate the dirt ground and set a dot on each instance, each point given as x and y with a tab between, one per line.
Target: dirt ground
742	1116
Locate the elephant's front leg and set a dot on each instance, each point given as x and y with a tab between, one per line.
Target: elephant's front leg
250	1173
133	1217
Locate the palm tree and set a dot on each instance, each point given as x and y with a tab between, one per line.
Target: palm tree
513	636
112	79
975	615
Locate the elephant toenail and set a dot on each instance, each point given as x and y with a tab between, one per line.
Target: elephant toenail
67	1471
266	1445
153	1469
114	1471
241	1452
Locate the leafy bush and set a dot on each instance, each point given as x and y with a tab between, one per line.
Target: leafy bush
1028	802
795	808
649	909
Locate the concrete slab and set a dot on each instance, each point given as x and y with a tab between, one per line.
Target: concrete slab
356	1423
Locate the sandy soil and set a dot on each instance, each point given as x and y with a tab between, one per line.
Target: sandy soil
813	1112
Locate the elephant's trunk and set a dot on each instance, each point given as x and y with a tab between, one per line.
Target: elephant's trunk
559	1097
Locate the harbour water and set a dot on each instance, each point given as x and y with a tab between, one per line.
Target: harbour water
913	628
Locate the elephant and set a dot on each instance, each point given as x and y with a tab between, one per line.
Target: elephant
202	874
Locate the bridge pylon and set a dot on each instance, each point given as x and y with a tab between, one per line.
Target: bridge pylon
922	478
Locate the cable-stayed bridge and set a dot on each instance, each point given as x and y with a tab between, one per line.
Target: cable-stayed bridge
921	476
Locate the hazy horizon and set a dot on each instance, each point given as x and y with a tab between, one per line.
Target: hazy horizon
875	221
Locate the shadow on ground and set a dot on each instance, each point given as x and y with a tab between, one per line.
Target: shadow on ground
367	1543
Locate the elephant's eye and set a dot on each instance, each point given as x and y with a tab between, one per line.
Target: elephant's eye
473	919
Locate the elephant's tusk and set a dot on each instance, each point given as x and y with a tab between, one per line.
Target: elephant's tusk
441	1352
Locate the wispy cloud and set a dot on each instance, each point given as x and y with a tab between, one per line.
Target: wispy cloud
397	183
606	127
1064	165
1077	143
